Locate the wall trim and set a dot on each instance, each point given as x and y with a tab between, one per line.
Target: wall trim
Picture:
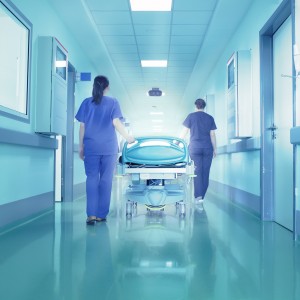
251	144
244	199
27	208
8	136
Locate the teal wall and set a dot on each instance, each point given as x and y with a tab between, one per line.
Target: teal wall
239	170
25	172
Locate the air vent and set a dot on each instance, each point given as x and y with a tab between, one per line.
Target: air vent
155	92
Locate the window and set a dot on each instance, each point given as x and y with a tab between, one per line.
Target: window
61	63
15	36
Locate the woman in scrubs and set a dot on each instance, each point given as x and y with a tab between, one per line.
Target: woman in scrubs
99	118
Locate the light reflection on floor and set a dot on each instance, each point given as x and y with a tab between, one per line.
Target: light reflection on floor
219	253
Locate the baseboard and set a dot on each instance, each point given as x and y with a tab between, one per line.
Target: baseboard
246	200
23	209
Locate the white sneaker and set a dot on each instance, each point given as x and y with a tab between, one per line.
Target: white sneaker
199	203
199	200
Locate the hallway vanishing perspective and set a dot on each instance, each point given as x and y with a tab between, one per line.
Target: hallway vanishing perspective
241	58
221	252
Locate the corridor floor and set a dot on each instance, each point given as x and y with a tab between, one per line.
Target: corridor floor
219	253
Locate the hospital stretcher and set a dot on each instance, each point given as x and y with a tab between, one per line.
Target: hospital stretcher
159	171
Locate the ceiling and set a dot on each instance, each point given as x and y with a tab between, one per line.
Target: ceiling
190	37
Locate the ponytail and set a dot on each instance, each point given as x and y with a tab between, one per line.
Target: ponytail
100	84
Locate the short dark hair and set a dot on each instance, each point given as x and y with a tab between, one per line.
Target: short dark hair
200	103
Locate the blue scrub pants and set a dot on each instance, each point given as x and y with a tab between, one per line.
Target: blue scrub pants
202	160
99	170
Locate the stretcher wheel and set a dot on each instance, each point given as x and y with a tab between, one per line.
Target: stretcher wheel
181	209
129	208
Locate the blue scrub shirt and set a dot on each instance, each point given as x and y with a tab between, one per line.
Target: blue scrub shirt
200	125
100	136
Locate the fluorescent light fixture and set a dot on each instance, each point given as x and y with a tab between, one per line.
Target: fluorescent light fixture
153	113
151	5
154	63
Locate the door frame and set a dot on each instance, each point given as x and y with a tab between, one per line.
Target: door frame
68	140
285	10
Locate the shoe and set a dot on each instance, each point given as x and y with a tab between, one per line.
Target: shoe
199	203
100	219
199	200
91	221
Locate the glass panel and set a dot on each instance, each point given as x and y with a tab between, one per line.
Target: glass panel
14	60
61	63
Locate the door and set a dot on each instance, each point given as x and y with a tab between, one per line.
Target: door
64	154
283	121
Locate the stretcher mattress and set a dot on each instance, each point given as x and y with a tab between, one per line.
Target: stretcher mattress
156	152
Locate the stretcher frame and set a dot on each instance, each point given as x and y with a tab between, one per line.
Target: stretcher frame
172	170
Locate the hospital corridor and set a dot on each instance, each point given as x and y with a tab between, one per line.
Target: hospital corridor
150	149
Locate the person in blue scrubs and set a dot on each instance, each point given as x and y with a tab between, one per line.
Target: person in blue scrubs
202	146
99	118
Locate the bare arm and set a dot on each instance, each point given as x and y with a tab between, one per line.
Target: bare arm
81	135
121	129
184	132
213	141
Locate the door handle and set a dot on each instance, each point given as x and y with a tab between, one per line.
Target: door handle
272	128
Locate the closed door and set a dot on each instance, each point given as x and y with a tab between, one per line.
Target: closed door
283	120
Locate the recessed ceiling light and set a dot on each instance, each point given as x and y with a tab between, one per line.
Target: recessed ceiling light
154	63
152	5
156	113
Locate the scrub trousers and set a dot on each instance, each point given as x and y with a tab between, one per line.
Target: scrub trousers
99	170
202	158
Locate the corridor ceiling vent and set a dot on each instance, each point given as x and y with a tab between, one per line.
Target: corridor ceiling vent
154	63
156	92
152	5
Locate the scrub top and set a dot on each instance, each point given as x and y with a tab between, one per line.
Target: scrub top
100	135
200	125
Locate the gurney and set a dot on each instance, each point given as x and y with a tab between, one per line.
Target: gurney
159	171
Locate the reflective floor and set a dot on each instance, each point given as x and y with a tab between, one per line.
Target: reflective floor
219	253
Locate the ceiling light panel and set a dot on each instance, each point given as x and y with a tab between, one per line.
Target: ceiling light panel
153	5
154	63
